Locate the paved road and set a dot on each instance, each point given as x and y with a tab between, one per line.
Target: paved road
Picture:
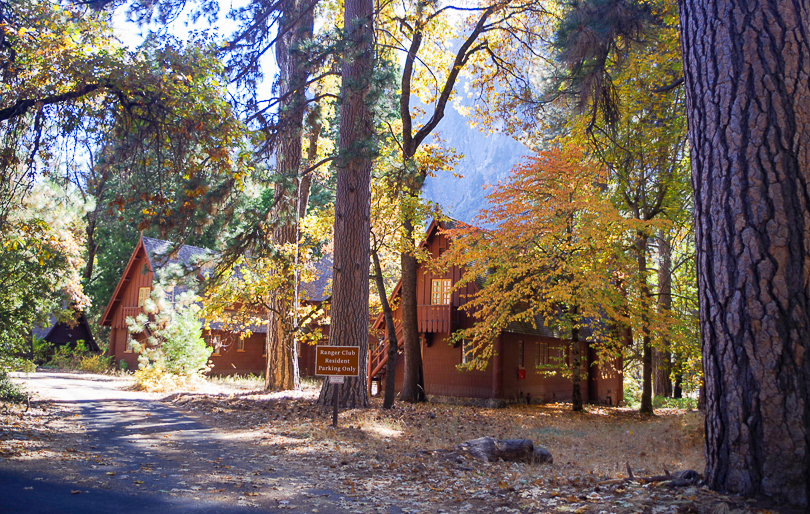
139	455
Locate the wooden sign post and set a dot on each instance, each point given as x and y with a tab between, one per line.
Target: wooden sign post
337	362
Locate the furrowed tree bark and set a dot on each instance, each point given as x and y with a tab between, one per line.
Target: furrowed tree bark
747	74
296	26
353	202
662	358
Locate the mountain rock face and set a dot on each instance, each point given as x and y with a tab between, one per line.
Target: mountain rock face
487	159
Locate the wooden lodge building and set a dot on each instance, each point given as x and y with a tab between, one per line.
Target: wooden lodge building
512	374
232	353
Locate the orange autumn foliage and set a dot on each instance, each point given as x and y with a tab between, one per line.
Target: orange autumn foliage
553	252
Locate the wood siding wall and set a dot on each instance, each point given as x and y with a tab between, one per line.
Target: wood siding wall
232	361
137	276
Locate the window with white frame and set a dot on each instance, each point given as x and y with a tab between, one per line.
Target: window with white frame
440	291
143	295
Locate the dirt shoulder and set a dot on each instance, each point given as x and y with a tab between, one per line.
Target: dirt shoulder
252	450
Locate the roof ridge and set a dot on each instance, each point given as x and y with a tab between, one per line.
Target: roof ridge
181	246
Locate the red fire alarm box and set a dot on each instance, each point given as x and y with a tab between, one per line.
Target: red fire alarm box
522	374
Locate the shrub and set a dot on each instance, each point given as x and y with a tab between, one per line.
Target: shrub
663	402
43	350
65	357
80	358
9	391
95	363
183	344
175	353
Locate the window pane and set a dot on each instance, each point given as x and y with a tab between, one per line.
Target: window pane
440	291
521	355
446	291
143	294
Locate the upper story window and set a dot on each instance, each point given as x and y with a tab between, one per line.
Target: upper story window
440	291
521	355
542	354
143	295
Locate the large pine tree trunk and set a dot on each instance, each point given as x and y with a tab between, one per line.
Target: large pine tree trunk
747	74
353	202
413	387
296	26
662	357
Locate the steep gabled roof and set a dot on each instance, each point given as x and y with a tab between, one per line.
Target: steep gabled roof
159	254
54	325
163	253
430	233
106	317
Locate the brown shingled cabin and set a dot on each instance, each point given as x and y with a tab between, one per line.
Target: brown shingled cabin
232	354
512	375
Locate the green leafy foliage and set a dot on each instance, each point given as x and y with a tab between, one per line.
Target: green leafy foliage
175	348
9	391
43	350
81	359
40	263
156	117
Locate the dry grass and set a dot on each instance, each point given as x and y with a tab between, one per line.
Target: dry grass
374	446
600	441
396	458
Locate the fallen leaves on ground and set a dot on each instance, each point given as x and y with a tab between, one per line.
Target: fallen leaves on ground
379	459
395	457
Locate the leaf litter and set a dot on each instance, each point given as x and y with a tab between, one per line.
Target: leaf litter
396	460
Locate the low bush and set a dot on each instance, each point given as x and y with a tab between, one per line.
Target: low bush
80	359
65	357
158	380
175	354
43	350
9	391
95	363
663	402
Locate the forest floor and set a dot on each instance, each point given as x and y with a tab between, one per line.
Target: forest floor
247	449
